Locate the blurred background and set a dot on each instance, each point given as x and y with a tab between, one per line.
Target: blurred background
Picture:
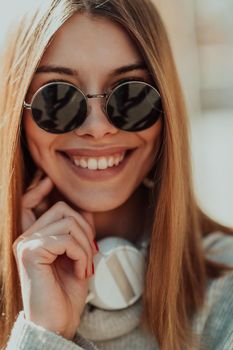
201	35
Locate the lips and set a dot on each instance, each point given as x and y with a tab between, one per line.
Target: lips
96	163
97	152
96	173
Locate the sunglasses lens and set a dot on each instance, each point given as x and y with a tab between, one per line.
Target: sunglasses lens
59	107
134	106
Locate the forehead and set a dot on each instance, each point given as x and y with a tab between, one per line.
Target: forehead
91	42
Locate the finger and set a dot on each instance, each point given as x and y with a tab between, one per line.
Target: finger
89	218
59	211
36	194
89	224
37	177
28	218
69	226
34	253
64	226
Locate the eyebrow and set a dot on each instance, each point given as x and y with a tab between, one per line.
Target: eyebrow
74	72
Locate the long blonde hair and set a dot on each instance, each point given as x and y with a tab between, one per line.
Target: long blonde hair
177	267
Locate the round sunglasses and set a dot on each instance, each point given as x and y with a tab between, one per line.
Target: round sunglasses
60	107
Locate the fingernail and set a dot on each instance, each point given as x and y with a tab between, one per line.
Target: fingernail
93	269
96	245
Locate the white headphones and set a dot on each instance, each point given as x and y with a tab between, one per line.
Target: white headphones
118	281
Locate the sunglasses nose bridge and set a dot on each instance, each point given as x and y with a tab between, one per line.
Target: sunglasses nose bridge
99	96
97	122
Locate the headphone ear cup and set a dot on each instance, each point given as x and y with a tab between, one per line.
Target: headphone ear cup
118	281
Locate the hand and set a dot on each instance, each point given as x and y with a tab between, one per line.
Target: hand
33	200
54	256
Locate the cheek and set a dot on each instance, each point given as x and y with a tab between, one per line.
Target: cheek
152	136
39	141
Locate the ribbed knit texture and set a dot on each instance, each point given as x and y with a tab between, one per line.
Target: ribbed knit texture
121	330
27	335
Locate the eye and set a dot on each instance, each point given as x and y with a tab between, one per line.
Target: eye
36	86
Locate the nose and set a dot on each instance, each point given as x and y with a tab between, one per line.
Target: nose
96	123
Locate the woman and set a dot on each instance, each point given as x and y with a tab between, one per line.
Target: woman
95	144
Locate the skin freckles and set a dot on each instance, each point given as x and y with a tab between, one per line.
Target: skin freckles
85	44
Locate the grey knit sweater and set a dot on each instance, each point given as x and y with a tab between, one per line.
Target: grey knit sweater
118	330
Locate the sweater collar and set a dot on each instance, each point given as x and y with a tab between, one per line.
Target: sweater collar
99	325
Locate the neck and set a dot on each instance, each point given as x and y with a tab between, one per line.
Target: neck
129	221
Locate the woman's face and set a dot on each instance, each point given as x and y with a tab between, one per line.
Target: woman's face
87	51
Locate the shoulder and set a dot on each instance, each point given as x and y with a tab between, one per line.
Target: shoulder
218	246
214	322
216	318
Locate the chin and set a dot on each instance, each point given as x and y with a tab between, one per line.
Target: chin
100	203
98	199
99	206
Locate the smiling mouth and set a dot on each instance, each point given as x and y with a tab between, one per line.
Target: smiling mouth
98	163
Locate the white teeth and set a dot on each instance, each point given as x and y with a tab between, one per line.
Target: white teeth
83	163
111	161
102	163
99	163
76	161
116	161
92	164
